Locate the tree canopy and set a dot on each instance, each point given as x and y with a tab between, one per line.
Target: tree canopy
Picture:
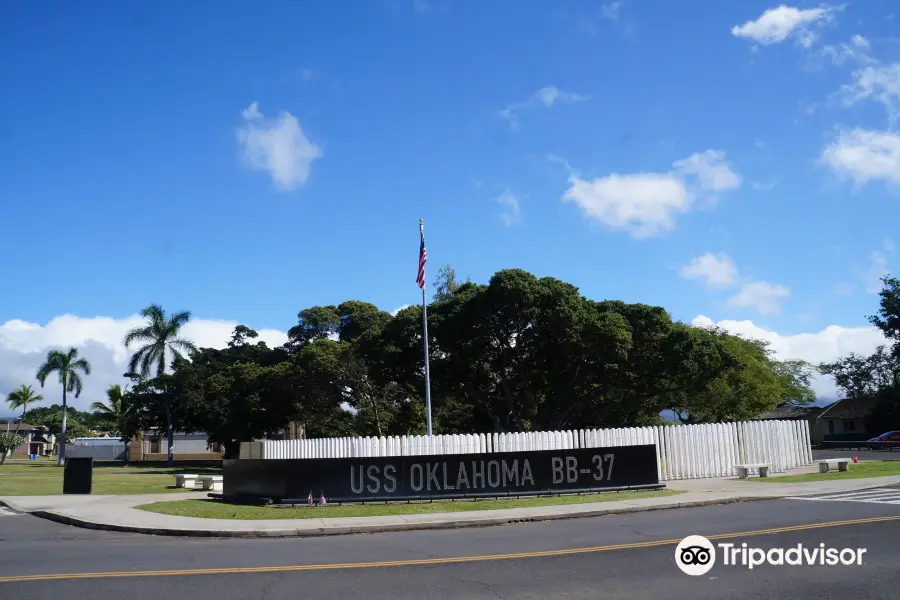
91	420
518	353
876	376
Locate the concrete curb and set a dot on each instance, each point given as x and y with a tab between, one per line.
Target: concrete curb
8	504
349	530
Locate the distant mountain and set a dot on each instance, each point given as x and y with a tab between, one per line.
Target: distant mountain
669	415
825	400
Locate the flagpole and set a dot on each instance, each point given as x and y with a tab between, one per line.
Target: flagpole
425	337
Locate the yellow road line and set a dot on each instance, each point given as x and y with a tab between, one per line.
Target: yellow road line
429	561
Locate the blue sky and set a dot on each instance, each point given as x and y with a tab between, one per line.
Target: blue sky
735	160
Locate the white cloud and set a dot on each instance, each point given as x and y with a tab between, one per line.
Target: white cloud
876	82
869	277
555	158
719	270
543	98
307	74
827	345
864	155
398	309
856	50
610	11
646	204
844	288
763	296
513	213
278	146
23	347
775	25
716	269
877	269
712	170
643	203
607	11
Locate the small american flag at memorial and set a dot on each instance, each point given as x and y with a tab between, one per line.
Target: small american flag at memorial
423	258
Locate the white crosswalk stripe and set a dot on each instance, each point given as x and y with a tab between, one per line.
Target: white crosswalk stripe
5	512
870	496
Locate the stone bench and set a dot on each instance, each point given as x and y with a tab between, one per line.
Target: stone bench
743	470
842	463
186	480
211	482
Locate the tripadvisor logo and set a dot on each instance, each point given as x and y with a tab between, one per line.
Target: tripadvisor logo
695	555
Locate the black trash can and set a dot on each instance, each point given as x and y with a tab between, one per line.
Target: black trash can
78	475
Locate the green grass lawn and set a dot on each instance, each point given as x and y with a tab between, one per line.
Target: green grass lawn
874	468
44	478
214	509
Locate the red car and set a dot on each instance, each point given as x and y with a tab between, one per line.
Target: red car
890	436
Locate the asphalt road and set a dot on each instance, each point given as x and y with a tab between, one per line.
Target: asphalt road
621	556
860	454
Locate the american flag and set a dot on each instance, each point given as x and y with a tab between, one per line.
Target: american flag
423	258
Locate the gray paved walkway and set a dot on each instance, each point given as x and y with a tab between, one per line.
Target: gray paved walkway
117	512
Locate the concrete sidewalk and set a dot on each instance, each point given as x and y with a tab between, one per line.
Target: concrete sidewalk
116	513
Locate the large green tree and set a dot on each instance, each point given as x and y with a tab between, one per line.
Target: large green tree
337	377
795	376
888	317
665	362
527	353
152	406
75	428
347	322
90	420
159	336
876	376
21	398
519	353
861	376
522	352
446	283
235	394
69	369
754	383
239	402
887	411
331	346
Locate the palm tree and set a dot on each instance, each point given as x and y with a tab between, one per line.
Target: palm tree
160	335
21	398
66	365
117	410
